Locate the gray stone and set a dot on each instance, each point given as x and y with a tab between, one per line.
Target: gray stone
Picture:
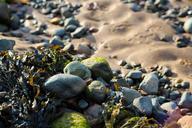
150	84
94	114
79	32
71	28
71	21
185	85
169	106
83	104
143	104
84	49
186	100
59	32
96	91
56	41
78	69
65	85
135	74
6	44
65	12
188	25
129	94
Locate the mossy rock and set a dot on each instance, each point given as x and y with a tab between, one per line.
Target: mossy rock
71	120
99	67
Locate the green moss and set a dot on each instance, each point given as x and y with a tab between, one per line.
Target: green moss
95	60
71	120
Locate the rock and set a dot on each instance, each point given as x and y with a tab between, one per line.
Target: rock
15	22
129	94
71	21
135	74
135	7
122	63
169	106
174	95
3	28
150	84
55	20
99	67
94	114
185	85
185	121
56	41
79	32
6	44
84	49
59	32
65	12
46	11
65	85
78	69
83	104
186	100
188	25
96	91
5	14
71	120
167	72
71	28
143	104
159	115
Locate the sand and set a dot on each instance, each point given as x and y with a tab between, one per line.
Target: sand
133	36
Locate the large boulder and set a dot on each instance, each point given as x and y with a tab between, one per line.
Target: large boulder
71	120
99	67
65	85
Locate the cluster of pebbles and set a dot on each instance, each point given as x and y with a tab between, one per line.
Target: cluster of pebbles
166	11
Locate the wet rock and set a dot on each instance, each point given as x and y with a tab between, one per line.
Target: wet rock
150	84
135	74
6	44
96	91
71	120
65	85
99	67
78	69
143	104
186	100
94	114
79	32
169	106
129	94
188	25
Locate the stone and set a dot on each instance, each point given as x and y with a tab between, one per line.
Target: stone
188	25
150	84
129	94
65	12
78	69
65	85
79	32
135	74
122	63
5	14
46	11
169	106
167	72
185	85
143	104
56	41
94	114
99	67
96	91
3	28
185	121
71	28
159	115
83	104
84	49
55	20
71	120
59	32
135	7
71	21
186	100
15	22
174	95
6	44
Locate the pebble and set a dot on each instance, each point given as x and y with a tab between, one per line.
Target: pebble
143	104
6	44
83	104
129	94
71	21
96	91
84	49
169	106
71	28
188	25
79	32
135	74
150	84
185	85
56	41
186	100
65	12
65	85
55	20
59	32
78	69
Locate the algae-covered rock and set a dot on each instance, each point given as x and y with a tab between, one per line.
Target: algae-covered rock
99	67
71	120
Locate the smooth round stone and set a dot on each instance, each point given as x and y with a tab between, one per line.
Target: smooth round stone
188	25
96	91
143	104
129	94
186	100
65	85
71	120
6	44
185	122
78	69
84	49
169	106
79	32
150	84
99	67
59	32
135	74
94	114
